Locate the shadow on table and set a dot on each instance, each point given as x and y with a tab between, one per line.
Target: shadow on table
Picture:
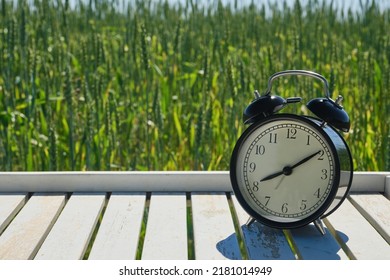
314	246
265	243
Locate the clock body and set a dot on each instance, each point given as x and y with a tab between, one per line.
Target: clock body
288	170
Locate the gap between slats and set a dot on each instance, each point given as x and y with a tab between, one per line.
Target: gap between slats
237	227
66	199
309	244
67	196
117	235
96	229
12	213
339	240
70	235
190	229
189	226
356	235
375	208
214	232
38	239
141	234
143	228
262	242
144	222
166	230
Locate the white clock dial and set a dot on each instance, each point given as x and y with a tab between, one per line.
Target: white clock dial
285	170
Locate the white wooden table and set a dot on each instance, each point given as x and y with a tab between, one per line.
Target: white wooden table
174	215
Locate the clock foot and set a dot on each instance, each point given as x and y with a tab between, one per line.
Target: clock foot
320	226
250	221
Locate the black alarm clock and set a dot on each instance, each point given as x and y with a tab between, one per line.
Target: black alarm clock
289	170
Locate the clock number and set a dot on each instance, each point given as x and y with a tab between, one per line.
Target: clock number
252	167
308	140
303	204
267	198
291	133
317	193
255	187
284	208
324	174
272	138
260	149
321	157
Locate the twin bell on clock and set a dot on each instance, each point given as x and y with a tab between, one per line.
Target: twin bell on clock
290	170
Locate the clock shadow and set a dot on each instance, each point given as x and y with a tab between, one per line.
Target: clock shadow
260	242
312	245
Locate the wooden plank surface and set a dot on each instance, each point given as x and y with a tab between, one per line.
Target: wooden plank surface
118	234
214	232
262	242
166	230
312	245
364	181
115	181
25	234
71	233
135	181
361	239
10	204
376	209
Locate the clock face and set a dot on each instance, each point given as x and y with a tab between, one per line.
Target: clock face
284	171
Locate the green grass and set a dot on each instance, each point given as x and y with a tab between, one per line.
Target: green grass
156	87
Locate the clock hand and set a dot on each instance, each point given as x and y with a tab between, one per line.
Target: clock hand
280	182
287	170
274	175
305	159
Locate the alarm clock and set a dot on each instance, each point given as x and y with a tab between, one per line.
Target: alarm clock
290	170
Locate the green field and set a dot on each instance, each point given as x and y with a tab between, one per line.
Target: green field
159	87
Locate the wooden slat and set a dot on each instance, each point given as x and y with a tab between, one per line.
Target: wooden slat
166	230
70	235
179	181
262	242
118	234
25	234
376	209
214	233
111	181
312	245
351	228
369	181
10	204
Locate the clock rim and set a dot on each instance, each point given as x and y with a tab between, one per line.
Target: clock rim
257	216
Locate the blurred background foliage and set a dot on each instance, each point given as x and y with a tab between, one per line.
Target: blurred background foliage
151	85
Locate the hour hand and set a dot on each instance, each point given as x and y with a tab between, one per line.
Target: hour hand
287	170
269	177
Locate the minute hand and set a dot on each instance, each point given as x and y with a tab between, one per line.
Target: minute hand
305	159
287	170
